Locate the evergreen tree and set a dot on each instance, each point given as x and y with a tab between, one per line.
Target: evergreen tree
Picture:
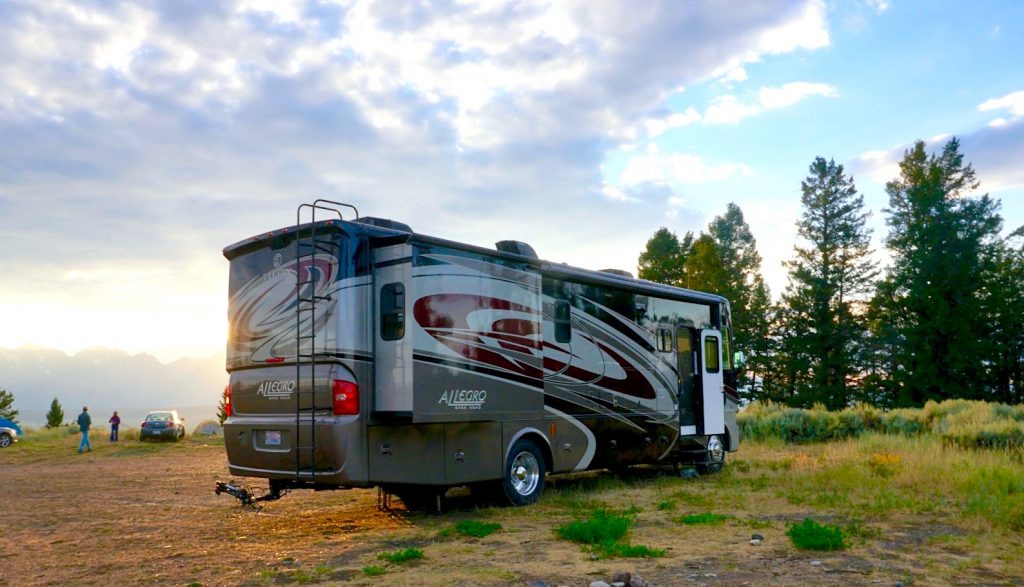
222	407
742	284
7	406
664	258
828	278
705	269
942	242
55	417
1003	303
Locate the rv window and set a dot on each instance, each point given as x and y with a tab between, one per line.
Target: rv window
664	340
711	354
392	311
563	321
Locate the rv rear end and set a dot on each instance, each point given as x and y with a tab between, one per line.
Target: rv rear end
295	358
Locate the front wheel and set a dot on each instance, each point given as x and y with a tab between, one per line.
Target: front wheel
715	458
5	440
524	473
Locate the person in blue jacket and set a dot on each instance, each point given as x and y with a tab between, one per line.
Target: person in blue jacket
84	422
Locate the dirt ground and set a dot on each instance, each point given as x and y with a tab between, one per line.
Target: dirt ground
150	516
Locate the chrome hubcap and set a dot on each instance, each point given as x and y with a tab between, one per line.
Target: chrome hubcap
525	473
715	449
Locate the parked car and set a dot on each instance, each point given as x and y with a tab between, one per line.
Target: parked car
162	425
9	432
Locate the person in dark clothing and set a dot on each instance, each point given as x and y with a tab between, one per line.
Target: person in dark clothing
115	421
84	423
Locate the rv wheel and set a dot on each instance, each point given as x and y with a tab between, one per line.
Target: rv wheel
715	457
524	473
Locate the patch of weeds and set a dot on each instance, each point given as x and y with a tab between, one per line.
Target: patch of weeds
740	466
704	519
401	555
373	571
630	551
810	535
857	528
194	584
602	528
471	528
884	464
605	533
666	505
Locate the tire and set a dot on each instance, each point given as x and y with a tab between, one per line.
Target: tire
715	457
5	440
524	473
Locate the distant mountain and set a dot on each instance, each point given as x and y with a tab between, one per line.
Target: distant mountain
107	380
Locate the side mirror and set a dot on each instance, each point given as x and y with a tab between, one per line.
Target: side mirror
739	359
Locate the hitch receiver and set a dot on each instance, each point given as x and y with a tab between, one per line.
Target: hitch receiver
246	497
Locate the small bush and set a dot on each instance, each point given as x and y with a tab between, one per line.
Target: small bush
810	535
402	555
666	505
602	528
373	571
705	519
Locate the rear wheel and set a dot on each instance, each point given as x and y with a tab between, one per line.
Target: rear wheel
524	473
5	440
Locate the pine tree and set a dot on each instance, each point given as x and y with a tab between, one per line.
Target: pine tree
742	284
705	269
941	240
7	406
664	258
55	417
1003	303
222	407
828	279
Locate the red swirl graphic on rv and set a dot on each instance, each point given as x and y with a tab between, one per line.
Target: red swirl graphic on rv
509	336
262	314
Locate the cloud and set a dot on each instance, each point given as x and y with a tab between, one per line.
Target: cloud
677	168
1013	103
151	135
995	153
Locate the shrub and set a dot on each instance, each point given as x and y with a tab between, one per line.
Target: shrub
810	535
884	464
373	571
602	528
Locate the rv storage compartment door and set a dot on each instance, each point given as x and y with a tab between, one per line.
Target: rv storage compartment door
712	382
392	333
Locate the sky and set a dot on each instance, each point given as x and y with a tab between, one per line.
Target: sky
139	139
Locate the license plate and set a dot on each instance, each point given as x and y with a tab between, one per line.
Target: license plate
272	438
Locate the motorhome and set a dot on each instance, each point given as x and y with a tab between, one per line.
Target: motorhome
362	354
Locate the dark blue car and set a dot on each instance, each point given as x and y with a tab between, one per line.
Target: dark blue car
9	432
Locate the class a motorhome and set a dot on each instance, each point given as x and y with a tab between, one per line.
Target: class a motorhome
364	354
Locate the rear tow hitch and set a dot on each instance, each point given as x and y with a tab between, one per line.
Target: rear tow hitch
250	498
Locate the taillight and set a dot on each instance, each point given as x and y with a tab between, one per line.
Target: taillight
227	401
143	425
346	398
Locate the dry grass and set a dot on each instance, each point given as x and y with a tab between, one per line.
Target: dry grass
912	508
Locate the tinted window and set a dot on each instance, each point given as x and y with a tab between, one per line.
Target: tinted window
563	321
392	311
711	354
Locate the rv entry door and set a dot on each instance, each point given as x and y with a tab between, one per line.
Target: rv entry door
712	382
392	352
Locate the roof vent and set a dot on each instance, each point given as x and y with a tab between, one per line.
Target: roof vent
516	248
621	272
384	223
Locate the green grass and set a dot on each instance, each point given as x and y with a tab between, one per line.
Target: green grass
810	535
605	533
476	529
401	555
373	571
704	519
602	527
